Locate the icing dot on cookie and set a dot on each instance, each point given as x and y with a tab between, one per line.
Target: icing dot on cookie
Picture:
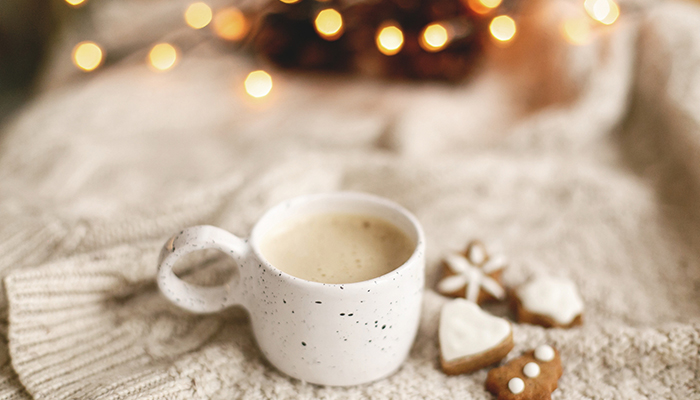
544	353
531	370
516	385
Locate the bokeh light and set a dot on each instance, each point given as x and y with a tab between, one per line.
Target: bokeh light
603	11
491	3
198	15
329	24
258	83
502	28
435	37
576	30
230	24
162	56
483	6
87	56
75	3
290	1
389	39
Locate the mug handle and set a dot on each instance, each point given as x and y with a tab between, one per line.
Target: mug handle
201	299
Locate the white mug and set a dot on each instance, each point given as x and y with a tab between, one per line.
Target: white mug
327	334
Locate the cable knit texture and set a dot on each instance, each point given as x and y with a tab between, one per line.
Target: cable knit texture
578	161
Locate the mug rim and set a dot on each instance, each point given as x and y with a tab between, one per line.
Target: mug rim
418	249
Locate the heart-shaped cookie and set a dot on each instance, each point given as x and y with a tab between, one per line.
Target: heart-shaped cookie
471	338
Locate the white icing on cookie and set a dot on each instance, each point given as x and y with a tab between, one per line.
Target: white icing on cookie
466	330
544	353
556	298
451	284
516	385
472	276
477	253
495	263
531	370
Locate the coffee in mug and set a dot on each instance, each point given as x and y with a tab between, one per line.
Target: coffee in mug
336	248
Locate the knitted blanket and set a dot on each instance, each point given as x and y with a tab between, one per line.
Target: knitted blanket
578	161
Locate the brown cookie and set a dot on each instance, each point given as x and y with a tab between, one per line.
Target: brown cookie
474	275
549	302
532	376
470	338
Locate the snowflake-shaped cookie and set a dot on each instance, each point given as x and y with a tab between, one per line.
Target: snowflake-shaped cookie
474	275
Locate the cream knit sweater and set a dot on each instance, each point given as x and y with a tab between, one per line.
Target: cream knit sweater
579	161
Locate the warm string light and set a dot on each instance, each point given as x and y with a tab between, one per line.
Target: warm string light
230	24
502	28
603	11
483	6
75	3
491	3
576	30
389	38
87	56
198	15
258	84
329	24
162	56
435	37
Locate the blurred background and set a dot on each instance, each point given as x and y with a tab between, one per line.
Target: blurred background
46	44
26	27
414	77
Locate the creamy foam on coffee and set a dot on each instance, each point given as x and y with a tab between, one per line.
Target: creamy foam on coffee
336	248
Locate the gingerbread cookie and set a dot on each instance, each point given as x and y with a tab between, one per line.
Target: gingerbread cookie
470	338
549	302
474	275
532	376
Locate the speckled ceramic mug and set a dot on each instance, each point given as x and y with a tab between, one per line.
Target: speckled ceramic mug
327	334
